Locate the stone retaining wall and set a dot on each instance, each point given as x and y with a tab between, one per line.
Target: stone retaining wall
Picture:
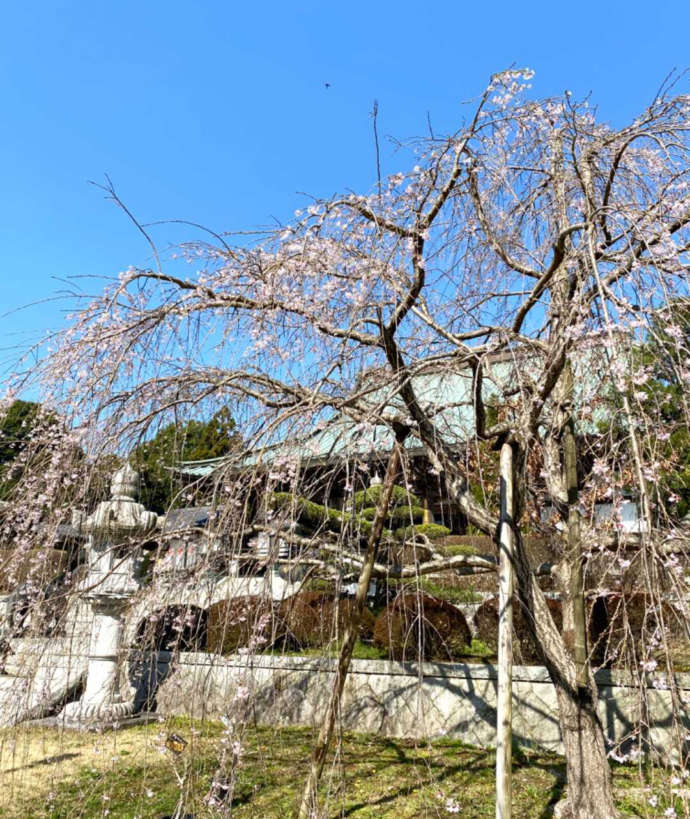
407	699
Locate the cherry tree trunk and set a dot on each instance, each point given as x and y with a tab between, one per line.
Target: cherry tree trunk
589	786
589	794
589	791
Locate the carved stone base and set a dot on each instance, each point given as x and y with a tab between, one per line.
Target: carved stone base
103	721
87	713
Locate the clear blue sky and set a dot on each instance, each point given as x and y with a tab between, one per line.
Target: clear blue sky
218	111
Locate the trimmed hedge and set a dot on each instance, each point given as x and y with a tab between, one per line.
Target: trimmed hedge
371	496
470	544
443	586
431	530
614	628
420	627
616	623
459	549
339	612
524	653
232	624
176	627
314	515
301	617
306	511
315	619
397	515
307	620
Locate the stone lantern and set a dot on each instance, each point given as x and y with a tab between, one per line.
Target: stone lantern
114	577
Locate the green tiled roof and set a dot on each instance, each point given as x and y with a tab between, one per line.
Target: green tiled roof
446	395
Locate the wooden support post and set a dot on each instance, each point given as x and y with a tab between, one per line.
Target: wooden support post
504	705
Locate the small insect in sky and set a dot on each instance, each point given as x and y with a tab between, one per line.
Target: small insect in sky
327	85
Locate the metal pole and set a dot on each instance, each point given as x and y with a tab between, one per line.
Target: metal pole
504	705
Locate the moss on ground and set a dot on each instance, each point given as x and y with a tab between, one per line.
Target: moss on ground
48	773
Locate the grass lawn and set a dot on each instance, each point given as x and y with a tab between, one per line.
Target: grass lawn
49	773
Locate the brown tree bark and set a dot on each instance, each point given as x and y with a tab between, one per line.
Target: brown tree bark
589	784
589	793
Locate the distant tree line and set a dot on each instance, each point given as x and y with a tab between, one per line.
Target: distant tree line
154	458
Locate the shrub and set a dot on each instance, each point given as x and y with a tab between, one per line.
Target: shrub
314	619
301	615
446	590
470	544
621	628
432	530
422	627
342	610
442	587
524	653
242	622
320	584
400	514
306	511
176	627
366	651
459	549
314	515
371	496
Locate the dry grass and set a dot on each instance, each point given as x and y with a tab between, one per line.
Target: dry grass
129	773
37	763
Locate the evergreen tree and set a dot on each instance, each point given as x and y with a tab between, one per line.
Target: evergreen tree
156	458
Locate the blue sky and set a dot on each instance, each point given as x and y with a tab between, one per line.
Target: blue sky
218	112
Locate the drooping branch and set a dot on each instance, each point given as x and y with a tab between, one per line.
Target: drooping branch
308	804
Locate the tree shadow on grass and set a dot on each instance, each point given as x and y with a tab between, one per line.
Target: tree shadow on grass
557	792
474	765
522	760
409	788
49	760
